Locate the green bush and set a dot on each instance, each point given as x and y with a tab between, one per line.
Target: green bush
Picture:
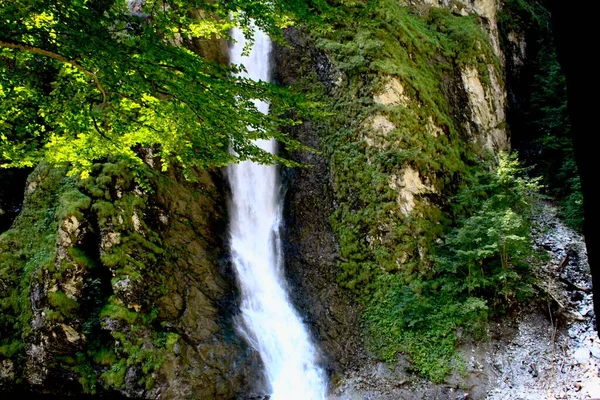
479	269
491	248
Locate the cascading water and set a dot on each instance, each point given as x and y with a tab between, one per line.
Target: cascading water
268	320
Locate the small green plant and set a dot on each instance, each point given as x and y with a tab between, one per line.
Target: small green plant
115	376
119	313
62	302
105	356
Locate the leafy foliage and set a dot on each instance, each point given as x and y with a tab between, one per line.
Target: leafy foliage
91	79
490	251
481	268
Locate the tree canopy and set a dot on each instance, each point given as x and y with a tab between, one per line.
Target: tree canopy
83	80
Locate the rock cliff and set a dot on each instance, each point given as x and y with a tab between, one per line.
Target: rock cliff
111	287
119	284
372	200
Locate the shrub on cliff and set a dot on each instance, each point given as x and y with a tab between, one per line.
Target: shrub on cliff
480	269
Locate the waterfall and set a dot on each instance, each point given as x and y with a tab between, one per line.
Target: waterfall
267	318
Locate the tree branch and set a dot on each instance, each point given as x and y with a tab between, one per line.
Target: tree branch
37	50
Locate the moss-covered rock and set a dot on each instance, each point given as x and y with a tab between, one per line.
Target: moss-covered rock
413	97
112	284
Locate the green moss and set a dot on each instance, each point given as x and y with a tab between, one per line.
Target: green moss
87	376
80	258
105	356
115	376
63	304
104	202
119	313
134	256
386	254
26	249
72	203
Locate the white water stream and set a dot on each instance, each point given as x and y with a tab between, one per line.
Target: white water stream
268	320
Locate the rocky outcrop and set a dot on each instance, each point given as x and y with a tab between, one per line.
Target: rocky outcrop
129	292
487	104
200	298
486	101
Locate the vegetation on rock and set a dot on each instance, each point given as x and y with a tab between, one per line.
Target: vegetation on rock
431	269
480	268
96	281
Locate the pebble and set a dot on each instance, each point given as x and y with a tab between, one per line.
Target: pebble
582	355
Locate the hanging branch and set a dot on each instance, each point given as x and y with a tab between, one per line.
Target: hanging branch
37	50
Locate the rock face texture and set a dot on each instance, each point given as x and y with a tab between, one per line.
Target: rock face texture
128	293
120	285
339	180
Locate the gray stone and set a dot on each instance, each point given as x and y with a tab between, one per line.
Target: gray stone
582	355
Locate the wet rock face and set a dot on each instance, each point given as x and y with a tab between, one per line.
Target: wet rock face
210	361
311	257
311	249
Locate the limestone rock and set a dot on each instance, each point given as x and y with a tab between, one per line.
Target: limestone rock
487	106
392	94
408	185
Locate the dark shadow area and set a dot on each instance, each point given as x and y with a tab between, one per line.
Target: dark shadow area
12	191
574	26
25	394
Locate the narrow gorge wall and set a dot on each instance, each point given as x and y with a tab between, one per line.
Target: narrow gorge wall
109	286
415	95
